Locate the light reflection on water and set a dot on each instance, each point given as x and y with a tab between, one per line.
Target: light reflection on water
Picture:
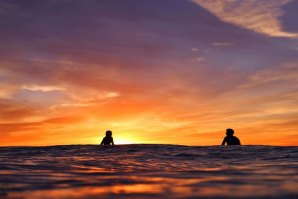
164	188
148	171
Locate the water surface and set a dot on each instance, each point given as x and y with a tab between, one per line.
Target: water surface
149	171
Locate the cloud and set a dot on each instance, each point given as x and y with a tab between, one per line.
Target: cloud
7	90
63	120
221	44
260	16
42	88
199	59
13	128
287	74
11	111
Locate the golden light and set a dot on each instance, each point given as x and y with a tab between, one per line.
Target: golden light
123	141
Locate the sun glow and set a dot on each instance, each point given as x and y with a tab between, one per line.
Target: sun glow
123	141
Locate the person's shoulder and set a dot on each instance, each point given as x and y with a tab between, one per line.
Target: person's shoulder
237	140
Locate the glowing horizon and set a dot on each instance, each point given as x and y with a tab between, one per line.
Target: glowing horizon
165	72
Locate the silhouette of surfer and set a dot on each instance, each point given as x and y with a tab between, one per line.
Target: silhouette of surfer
230	139
108	139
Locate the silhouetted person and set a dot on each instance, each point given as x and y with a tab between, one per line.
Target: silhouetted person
230	139
108	139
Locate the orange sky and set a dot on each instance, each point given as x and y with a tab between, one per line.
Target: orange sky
170	72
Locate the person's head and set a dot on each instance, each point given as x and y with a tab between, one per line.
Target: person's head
109	133
230	132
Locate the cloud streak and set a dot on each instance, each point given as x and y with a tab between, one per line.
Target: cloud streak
260	16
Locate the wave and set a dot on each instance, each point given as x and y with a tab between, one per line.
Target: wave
148	171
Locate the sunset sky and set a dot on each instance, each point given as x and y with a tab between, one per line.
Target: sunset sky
152	71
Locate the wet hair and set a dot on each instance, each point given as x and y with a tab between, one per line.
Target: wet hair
230	132
108	133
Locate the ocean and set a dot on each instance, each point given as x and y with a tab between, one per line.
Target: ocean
142	171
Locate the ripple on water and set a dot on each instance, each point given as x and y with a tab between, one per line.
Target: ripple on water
148	171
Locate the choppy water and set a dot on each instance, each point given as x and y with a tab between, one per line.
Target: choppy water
149	171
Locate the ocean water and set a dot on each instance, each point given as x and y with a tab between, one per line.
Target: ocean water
149	171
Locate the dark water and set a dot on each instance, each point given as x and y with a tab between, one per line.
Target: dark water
149	171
